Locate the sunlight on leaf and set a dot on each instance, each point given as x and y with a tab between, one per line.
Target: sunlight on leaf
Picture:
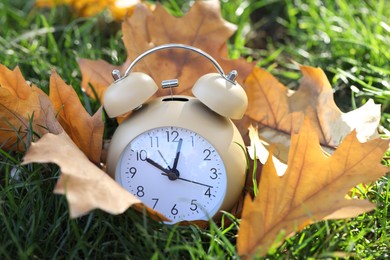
261	149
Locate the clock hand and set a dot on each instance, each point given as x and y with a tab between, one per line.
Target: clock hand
163	159
177	154
158	166
187	180
172	170
171	175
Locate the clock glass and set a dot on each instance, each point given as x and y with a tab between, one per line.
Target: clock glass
174	171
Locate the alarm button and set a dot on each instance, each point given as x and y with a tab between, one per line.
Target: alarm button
128	93
222	96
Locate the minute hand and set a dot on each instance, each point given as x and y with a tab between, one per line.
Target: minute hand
177	154
195	182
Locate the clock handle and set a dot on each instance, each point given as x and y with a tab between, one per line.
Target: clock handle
231	77
218	91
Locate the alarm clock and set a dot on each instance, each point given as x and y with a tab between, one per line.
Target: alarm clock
180	155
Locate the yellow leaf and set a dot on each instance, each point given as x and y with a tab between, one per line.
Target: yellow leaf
313	188
117	8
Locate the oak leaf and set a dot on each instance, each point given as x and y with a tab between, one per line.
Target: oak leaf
85	186
25	111
85	131
313	188
279	111
202	27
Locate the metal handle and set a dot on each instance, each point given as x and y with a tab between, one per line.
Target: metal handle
230	77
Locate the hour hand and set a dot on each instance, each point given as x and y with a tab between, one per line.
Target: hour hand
171	175
158	166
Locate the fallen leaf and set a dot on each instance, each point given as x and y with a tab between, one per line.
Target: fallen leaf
117	8
85	186
202	27
85	131
280	111
313	188
25	111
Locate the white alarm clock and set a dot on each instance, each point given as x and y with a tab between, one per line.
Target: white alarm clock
180	155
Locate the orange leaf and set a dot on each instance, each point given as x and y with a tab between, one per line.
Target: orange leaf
313	188
21	104
278	109
85	131
85	186
202	27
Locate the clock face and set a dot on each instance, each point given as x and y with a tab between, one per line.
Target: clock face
174	171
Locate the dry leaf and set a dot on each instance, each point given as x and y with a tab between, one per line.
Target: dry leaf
313	188
85	186
117	8
280	111
21	103
202	27
85	131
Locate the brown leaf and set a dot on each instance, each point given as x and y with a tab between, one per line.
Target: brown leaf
313	188
202	27
96	76
85	131
21	103
85	186
278	109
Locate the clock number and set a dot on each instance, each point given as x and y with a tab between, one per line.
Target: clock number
174	210
207	152
214	173
192	140
132	171
142	155
153	141
208	192
155	202
194	206
172	136
140	191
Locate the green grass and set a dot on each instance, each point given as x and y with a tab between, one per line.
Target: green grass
350	41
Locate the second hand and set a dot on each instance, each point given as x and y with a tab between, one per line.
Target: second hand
164	159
